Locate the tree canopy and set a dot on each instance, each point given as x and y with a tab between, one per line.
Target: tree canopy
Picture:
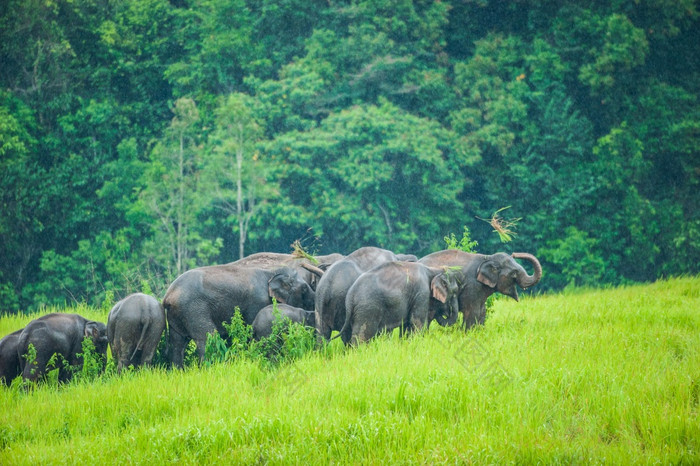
141	138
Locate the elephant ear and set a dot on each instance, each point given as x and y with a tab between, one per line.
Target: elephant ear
488	274
92	330
438	288
280	286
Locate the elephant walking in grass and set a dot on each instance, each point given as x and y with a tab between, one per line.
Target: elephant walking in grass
200	300
134	328
482	275
407	295
60	334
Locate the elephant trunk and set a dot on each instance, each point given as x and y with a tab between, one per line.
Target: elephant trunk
313	269
524	280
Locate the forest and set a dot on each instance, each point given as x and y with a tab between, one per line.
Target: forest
142	138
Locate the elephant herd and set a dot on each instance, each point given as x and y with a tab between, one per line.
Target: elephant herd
367	292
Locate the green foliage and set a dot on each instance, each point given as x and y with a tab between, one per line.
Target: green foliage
366	122
108	302
236	344
574	263
239	334
30	357
287	342
160	357
216	350
465	243
93	362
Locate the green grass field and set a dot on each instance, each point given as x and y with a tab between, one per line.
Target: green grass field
590	376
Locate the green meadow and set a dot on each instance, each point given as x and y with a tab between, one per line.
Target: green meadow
587	376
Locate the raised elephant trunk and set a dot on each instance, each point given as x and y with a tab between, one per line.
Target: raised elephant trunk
523	279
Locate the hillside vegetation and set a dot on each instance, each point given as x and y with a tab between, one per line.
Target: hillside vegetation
142	138
588	376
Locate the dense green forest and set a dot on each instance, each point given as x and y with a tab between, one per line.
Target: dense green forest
140	138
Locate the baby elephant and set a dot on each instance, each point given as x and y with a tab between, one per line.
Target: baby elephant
262	325
134	327
61	334
408	295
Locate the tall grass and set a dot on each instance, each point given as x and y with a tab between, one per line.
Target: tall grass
598	376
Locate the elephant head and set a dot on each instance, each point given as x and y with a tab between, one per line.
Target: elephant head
501	272
445	288
288	288
97	332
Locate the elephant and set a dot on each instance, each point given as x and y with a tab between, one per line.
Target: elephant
262	325
200	300
482	275
408	295
62	334
309	272
9	358
337	280
134	327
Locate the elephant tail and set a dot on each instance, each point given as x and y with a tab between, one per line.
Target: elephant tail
346	325
139	345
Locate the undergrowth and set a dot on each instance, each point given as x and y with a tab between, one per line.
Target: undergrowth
287	342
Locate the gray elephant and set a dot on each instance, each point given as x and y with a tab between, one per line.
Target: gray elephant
134	327
60	334
200	300
407	295
482	275
9	358
337	280
308	271
262	325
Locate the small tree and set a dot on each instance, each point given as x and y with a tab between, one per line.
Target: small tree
234	171
170	188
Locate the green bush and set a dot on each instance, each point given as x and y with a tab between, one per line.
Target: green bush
287	341
93	362
465	244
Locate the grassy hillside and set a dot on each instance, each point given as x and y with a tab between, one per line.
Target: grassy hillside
592	376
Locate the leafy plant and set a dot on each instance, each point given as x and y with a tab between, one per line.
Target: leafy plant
236	345
465	243
160	357
93	362
287	341
240	334
30	357
216	350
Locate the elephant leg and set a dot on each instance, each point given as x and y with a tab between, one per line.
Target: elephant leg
176	344
324	330
346	336
473	316
200	332
363	332
148	352
125	352
116	353
481	316
34	371
416	325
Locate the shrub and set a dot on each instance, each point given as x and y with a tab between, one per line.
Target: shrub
287	341
464	244
93	362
